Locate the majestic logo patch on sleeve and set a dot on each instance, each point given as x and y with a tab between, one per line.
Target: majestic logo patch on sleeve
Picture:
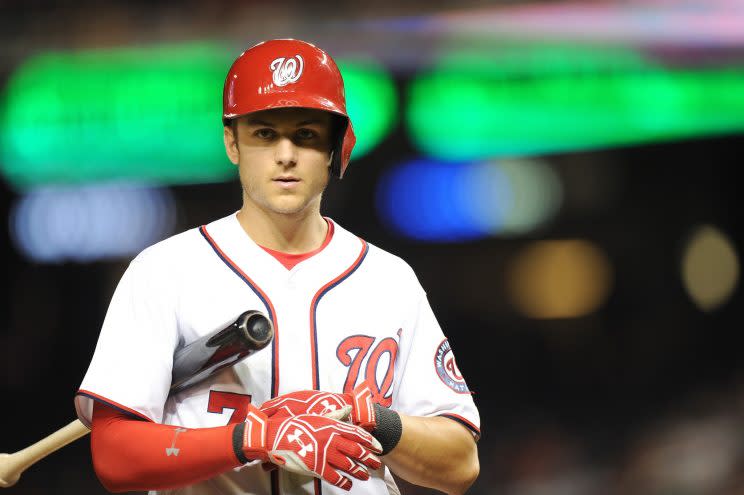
446	367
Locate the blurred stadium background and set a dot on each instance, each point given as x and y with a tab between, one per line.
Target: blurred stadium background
561	175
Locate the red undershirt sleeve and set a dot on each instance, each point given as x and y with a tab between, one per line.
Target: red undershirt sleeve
135	455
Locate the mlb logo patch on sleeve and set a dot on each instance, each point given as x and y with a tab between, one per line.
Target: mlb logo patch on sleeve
446	367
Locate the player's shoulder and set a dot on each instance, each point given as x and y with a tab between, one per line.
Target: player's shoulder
386	264
390	261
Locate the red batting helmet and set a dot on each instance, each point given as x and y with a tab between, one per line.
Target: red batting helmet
289	73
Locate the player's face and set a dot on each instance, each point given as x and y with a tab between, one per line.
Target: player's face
283	157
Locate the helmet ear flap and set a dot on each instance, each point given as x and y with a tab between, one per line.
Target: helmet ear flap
340	124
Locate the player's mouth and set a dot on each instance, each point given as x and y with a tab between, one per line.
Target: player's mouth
286	181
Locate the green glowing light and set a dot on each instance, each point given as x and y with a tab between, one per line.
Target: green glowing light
145	113
371	103
473	107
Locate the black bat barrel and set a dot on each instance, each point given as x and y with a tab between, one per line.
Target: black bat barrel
202	358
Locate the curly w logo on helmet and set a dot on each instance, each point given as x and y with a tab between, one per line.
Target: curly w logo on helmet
287	70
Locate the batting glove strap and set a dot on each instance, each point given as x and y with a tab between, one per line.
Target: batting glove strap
389	428
249	449
237	443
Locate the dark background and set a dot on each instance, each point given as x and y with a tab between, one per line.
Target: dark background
645	395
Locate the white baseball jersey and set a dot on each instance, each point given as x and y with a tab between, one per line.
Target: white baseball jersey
349	313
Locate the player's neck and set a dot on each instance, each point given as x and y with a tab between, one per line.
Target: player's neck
298	233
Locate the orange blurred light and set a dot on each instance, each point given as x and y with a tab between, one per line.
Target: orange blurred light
559	279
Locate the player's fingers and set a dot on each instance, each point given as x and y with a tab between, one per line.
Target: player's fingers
341	414
289	404
371	460
362	437
358	453
272	405
358	471
364	410
271	409
367	441
279	413
336	479
277	459
347	465
376	446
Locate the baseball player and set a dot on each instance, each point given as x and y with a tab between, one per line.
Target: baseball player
359	380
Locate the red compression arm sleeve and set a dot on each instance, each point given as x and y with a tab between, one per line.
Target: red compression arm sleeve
133	455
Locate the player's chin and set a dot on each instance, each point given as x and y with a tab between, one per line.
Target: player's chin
289	205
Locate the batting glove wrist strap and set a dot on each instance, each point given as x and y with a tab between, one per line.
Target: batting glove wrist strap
237	443
389	428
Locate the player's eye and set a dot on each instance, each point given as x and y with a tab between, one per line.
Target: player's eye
306	134
264	133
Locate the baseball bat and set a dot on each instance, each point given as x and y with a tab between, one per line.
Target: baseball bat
192	364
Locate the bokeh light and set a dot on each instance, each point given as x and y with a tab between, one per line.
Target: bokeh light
55	224
145	113
536	99
438	201
710	267
372	102
559	279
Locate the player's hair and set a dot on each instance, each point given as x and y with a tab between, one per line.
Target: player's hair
233	125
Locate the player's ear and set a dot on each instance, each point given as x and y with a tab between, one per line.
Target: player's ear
231	143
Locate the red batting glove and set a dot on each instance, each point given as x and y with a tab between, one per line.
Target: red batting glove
357	405
309	444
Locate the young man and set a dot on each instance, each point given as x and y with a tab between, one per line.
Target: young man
353	328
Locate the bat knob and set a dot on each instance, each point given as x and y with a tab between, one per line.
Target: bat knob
256	327
9	474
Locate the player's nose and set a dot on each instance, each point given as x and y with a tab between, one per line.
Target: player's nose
285	152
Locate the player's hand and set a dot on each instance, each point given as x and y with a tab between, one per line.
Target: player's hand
312	445
357	406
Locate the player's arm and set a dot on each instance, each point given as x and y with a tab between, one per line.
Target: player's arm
436	452
135	455
430	450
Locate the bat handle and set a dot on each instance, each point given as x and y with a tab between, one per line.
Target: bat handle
12	465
